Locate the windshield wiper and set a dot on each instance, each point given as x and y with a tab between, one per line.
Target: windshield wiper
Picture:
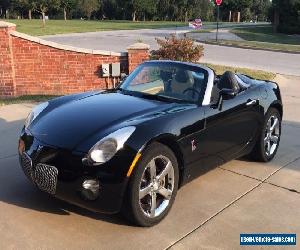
125	91
162	98
152	97
173	98
119	88
155	97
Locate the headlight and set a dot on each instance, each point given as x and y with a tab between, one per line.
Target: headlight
106	148
34	113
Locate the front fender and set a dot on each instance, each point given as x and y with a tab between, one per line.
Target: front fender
270	96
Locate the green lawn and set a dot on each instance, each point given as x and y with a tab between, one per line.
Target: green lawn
34	27
265	34
264	38
259	45
257	74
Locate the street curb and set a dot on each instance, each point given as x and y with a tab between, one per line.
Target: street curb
246	47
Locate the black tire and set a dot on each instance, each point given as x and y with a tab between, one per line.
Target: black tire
132	209
259	152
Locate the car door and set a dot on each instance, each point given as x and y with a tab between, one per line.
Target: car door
229	129
191	143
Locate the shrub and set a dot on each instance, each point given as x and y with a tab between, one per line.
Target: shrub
177	49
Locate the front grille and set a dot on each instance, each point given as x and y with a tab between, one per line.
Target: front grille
26	164
45	178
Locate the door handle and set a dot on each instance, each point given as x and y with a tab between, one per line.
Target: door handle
251	102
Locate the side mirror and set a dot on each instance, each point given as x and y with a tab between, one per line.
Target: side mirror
227	94
123	77
224	94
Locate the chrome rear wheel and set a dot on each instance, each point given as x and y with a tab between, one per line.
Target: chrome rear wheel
272	135
268	139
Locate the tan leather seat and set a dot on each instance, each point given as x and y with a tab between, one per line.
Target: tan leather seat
182	80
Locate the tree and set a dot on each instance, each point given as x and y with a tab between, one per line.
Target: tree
184	10
4	7
260	9
162	9
247	15
140	8
136	7
117	9
67	5
42	7
149	8
203	9
288	13
236	5
23	5
114	9
248	8
88	7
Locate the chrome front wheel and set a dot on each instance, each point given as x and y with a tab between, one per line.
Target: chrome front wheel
152	187
156	186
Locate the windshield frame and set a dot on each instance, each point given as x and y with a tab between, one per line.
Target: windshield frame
191	67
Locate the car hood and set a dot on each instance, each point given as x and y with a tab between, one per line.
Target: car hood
70	123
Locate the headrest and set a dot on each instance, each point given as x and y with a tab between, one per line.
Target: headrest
182	76
165	75
229	81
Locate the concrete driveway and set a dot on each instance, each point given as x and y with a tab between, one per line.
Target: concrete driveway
209	213
276	62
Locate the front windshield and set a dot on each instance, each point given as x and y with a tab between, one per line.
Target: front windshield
173	81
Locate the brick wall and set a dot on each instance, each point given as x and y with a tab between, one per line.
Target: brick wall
136	54
29	65
7	81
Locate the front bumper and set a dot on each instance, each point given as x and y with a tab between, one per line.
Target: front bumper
62	174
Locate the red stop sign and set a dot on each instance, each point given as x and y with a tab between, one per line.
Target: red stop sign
218	2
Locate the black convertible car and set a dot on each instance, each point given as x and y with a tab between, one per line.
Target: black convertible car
129	149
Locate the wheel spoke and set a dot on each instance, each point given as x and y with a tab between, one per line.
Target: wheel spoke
153	205
266	140
269	125
144	192
166	193
272	128
166	171
274	139
268	147
152	168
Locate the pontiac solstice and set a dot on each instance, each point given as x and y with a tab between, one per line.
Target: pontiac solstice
129	149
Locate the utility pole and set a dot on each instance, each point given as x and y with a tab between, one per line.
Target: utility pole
218	16
218	3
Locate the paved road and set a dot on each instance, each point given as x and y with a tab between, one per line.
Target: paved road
283	63
209	213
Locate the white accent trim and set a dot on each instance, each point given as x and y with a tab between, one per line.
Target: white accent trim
65	47
209	87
